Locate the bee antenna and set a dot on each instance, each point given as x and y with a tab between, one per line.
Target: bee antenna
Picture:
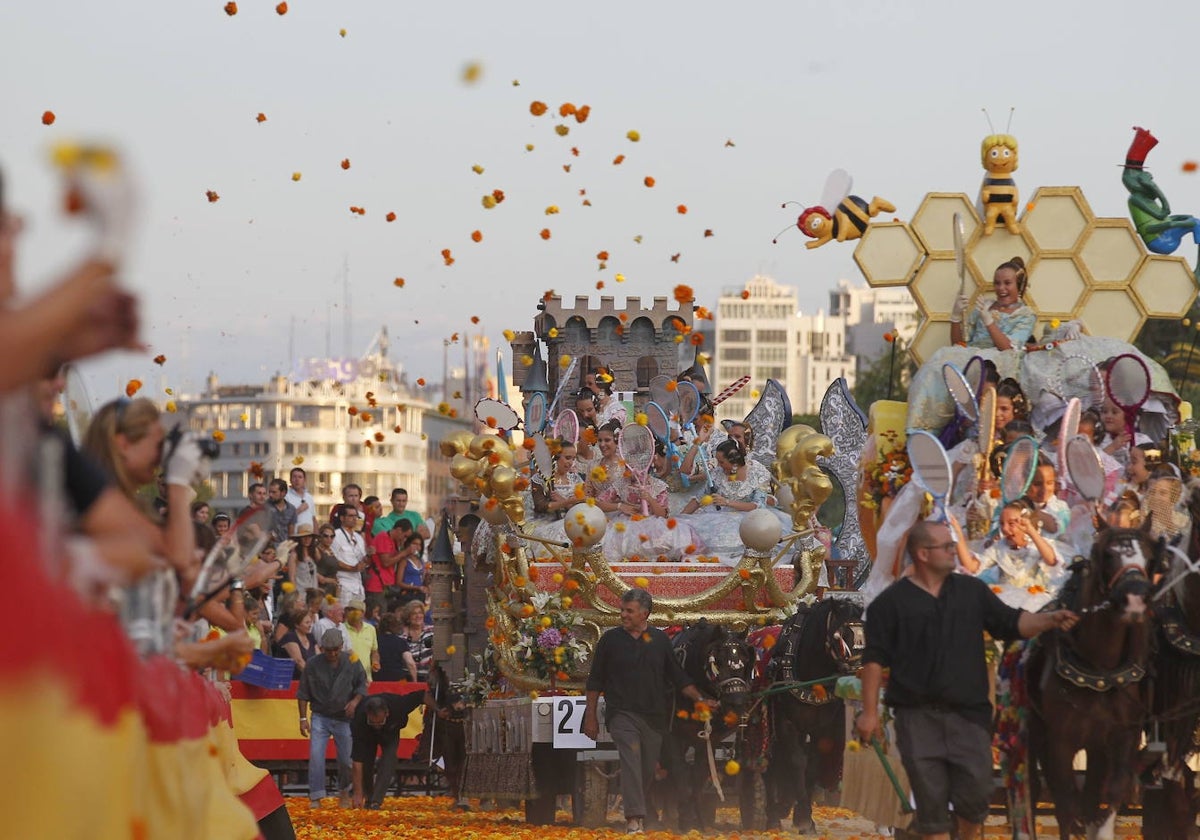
1008	127
988	117
786	203
775	241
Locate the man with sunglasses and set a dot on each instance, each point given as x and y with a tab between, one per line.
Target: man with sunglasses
376	732
928	628
351	551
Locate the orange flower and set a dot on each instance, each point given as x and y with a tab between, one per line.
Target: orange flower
421	382
675	257
768	642
581	113
579	492
682	714
681	209
623	317
588	435
398	282
1188	165
697	339
820	692
262	118
231	9
566	109
544	233
744	574
562	130
997	589
476	236
379	436
397	429
671	523
889	337
212	196
599	284
730	718
683	294
602	256
132	387
48	118
618	160
571	585
498	195
708	232
160	360
281	9
446	257
648	181
537	108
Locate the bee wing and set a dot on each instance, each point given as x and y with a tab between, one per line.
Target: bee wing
837	187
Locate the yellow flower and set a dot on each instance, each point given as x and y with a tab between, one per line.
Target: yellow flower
288	586
553	332
599	473
853	746
566	602
171	407
451	650
244	417
509	335
641	582
732	768
546	621
754	394
562	130
529	147
552	210
526	361
218	436
353	656
477	169
489	201
296	176
620	278
1055	323
533	695
633	136
641	419
707	500
564	361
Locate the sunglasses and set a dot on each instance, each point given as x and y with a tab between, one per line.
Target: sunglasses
327	535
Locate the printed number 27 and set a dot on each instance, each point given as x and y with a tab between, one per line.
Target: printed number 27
567	706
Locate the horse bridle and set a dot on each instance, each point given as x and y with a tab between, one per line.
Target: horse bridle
847	655
730	648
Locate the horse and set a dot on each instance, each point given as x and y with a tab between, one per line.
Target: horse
721	664
447	729
1085	686
808	723
1169	807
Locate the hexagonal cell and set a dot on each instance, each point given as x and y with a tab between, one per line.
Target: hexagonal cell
1058	218
1057	286
1164	286
888	254
1111	252
936	286
933	223
984	253
931	336
1111	313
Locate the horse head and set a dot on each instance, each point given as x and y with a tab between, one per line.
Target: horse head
845	636
729	667
1116	575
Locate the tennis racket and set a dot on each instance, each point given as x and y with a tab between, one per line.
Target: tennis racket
77	403
973	373
931	469
1068	428
1128	383
543	460
563	384
1085	469
637	450
566	427
985	433
960	390
730	390
689	404
495	414
535	414
1019	466
664	392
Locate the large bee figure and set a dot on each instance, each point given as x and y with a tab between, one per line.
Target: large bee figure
998	194
849	219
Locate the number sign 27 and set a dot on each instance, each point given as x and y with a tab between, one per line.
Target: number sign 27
568	723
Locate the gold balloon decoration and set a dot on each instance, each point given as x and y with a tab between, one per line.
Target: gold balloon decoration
796	468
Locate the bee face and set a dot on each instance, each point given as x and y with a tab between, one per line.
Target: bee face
815	224
1001	159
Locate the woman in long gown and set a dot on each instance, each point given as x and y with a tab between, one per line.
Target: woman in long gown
641	527
998	331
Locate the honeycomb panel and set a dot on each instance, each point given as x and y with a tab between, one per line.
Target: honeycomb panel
888	254
931	336
1056	288
1164	286
1058	219
936	286
984	253
1111	252
933	223
1112	313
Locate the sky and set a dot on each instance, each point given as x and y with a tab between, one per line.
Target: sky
739	107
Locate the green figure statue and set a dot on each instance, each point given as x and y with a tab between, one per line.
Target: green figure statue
1161	230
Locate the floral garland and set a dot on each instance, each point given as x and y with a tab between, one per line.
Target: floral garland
884	477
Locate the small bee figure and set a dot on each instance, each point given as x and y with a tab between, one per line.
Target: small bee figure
849	219
998	194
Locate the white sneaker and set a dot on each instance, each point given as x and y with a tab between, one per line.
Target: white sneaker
634	826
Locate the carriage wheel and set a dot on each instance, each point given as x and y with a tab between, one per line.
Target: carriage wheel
752	797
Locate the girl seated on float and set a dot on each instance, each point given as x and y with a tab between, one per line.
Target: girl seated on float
606	479
1143	458
586	406
608	408
1023	567
641	527
1116	440
739	485
1052	514
553	498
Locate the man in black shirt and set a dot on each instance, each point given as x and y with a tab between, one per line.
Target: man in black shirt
928	629
635	667
376	727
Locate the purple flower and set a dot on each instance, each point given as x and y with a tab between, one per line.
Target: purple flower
549	639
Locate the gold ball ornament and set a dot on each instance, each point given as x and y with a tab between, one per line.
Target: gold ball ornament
585	525
760	530
455	443
463	467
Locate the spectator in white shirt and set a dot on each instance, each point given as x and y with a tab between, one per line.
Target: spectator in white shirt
333	617
351	551
299	498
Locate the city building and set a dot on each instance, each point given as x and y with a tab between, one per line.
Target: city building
761	333
346	421
871	312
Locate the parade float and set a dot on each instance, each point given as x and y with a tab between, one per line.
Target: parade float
1096	281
